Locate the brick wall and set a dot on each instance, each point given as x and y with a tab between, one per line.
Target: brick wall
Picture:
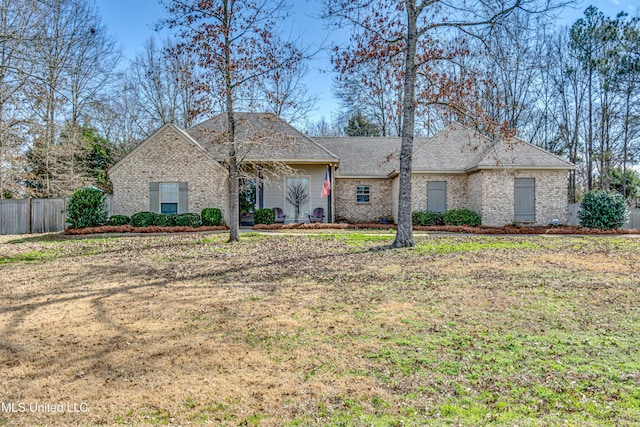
474	190
168	156
498	196
380	205
456	190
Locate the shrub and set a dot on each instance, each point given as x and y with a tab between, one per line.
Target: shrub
86	208
118	220
164	220
142	219
188	220
264	216
461	217
426	218
602	209
211	216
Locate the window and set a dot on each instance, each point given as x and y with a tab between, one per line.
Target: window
363	194
437	196
169	198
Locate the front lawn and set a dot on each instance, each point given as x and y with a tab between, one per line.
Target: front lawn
326	329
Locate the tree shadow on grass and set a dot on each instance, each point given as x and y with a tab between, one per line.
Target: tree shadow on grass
119	349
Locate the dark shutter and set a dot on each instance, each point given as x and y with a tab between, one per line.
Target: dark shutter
437	196
524	199
183	197
154	197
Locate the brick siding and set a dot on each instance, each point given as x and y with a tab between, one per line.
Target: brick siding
379	206
168	156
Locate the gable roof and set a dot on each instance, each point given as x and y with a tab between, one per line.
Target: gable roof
456	149
260	137
164	128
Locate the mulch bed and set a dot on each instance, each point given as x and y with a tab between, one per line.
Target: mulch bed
509	229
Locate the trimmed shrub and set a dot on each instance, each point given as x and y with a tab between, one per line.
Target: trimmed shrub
211	216
164	220
86	208
461	217
118	220
426	218
142	219
264	216
605	210
188	220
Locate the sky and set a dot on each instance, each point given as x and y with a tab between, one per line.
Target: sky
132	23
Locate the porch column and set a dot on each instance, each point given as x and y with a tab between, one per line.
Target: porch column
329	199
260	189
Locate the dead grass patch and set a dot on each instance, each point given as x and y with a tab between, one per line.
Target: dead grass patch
320	330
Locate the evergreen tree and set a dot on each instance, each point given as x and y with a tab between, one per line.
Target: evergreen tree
359	125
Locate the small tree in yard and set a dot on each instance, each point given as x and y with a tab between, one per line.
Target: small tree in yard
86	208
603	209
297	195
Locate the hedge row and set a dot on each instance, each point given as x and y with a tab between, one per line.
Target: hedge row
454	217
210	217
131	229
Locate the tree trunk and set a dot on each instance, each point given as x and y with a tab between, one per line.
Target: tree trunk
404	234
234	184
590	132
625	140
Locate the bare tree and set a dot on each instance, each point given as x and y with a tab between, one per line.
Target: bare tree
237	45
282	91
74	59
18	23
163	79
375	90
322	127
297	195
416	31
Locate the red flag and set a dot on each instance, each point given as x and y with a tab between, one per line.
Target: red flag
326	186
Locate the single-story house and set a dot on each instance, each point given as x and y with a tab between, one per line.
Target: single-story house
505	182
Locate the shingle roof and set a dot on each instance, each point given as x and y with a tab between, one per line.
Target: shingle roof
520	154
364	156
260	137
456	148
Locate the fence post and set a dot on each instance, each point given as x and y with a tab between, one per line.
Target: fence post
29	217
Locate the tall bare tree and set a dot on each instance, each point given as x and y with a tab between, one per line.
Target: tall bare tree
421	32
74	58
19	22
282	90
237	44
163	80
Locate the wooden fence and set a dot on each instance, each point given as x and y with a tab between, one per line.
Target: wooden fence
633	221
25	216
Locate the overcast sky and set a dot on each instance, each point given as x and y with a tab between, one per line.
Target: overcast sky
132	23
